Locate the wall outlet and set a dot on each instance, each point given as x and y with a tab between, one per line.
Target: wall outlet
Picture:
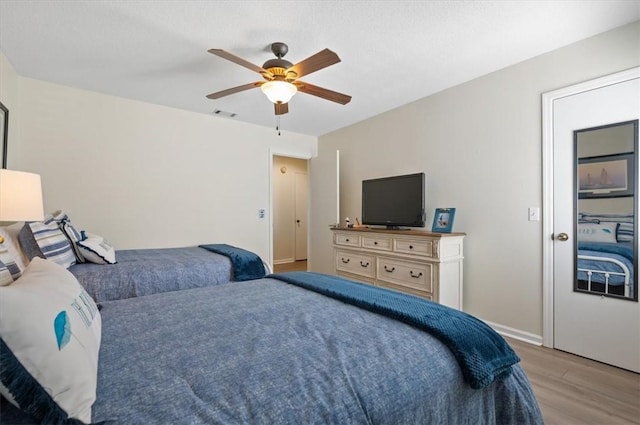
261	213
534	214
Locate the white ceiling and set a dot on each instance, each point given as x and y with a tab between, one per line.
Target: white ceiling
393	52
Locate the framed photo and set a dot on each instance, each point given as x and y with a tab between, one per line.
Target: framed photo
608	176
443	220
4	134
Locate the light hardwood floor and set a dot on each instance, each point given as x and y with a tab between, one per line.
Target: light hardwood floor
574	390
297	266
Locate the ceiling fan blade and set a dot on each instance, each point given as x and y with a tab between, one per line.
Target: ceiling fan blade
235	59
331	95
314	63
233	90
281	108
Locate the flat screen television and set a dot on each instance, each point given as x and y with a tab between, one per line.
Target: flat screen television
394	201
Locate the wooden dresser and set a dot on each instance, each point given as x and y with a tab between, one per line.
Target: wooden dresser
418	262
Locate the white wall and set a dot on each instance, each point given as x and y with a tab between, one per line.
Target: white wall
144	175
9	88
480	146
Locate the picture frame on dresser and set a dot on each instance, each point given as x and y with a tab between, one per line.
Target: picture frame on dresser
4	134
443	220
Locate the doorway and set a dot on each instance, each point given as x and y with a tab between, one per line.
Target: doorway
588	313
290	188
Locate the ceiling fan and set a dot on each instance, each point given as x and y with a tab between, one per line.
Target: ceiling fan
281	77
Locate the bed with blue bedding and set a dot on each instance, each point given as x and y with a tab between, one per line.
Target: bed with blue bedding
606	267
140	272
606	253
301	348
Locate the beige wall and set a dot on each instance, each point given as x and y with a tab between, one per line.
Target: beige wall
480	146
144	175
9	87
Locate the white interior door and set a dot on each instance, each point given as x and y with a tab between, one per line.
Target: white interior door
301	184
603	328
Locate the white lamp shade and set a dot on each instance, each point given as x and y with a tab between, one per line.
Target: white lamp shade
20	196
279	91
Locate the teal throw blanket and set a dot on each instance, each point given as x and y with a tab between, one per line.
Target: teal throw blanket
483	355
246	264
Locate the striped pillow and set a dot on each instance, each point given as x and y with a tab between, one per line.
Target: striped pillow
45	239
9	270
64	223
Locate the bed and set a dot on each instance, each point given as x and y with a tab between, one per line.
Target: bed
147	271
108	274
606	254
300	348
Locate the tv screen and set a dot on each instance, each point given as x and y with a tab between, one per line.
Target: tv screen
394	201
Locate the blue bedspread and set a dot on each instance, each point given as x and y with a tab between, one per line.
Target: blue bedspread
148	271
246	264
483	355
267	352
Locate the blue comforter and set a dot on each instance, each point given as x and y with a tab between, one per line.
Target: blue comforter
267	352
148	271
483	355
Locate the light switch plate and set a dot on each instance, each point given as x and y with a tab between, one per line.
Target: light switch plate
534	214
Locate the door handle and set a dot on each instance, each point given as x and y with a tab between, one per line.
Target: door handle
562	237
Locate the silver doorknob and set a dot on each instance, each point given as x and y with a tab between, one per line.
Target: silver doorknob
562	237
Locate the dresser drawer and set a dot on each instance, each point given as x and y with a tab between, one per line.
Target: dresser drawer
347	239
377	242
424	248
406	273
406	290
356	263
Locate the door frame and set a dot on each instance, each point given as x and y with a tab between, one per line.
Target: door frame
282	152
547	187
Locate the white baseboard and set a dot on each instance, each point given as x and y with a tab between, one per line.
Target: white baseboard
516	334
284	261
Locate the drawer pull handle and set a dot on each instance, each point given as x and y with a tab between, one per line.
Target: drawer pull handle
345	261
347	239
390	270
375	243
363	264
410	246
415	275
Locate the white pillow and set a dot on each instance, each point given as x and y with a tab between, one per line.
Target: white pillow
12	243
49	341
597	232
95	249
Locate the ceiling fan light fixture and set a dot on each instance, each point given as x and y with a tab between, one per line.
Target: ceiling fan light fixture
279	91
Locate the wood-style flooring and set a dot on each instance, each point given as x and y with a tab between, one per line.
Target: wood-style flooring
574	390
297	266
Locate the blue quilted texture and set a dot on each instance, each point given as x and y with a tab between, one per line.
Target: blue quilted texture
483	355
246	264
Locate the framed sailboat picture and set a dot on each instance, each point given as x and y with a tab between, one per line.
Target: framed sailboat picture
608	176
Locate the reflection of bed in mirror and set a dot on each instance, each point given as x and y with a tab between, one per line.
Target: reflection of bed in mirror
606	254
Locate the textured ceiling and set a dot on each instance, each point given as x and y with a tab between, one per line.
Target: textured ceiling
393	52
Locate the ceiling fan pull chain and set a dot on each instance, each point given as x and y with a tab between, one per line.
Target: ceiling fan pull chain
278	125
